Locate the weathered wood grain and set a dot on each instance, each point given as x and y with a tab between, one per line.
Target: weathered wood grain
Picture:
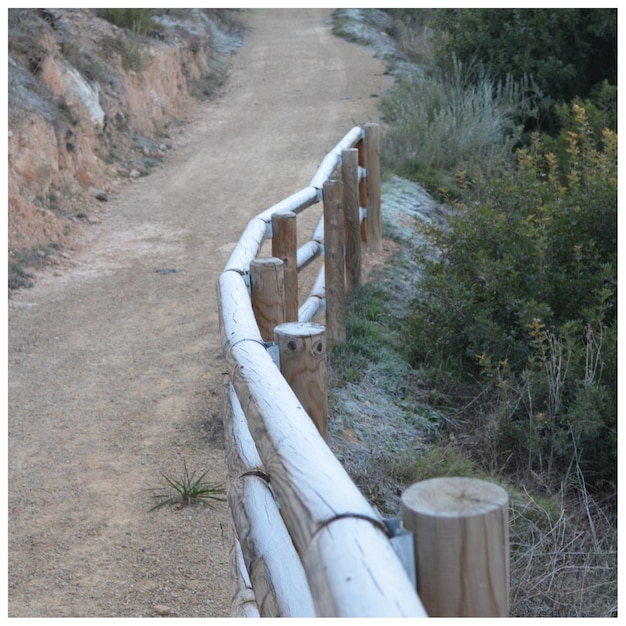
310	483
267	294
302	350
285	248
334	263
460	528
276	572
236	316
248	246
243	601
372	160
268	554
367	580
351	215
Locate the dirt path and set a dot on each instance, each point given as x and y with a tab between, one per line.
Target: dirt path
114	369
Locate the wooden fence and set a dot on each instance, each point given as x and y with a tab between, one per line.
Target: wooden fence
306	541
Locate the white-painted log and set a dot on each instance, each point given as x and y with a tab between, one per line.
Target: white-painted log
319	287
276	572
318	234
307	253
237	321
333	158
326	169
242	457
367	580
316	300
270	559
310	308
295	203
243	601
248	246
310	483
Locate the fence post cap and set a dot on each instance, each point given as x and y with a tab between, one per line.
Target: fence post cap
454	496
300	329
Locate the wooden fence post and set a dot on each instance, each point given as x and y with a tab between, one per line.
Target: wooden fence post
334	262
267	294
352	223
302	349
461	540
285	247
372	164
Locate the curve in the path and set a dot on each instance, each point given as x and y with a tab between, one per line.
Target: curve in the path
114	371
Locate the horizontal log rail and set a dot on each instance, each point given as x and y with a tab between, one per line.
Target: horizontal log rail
307	542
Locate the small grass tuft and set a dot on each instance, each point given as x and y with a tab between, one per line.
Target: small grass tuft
189	490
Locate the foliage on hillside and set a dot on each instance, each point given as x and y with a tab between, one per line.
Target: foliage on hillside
92	94
568	52
523	297
510	334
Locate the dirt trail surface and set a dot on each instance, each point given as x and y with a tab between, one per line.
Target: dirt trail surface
114	362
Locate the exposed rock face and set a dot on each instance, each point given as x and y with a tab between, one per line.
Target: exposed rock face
86	101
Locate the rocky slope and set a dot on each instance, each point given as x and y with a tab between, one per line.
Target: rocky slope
91	104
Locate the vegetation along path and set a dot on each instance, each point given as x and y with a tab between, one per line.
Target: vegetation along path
114	364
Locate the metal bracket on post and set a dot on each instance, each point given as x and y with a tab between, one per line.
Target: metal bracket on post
402	543
272	350
246	279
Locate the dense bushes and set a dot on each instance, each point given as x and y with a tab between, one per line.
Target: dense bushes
566	51
523	297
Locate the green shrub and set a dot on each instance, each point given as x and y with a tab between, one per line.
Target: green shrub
137	20
566	51
523	298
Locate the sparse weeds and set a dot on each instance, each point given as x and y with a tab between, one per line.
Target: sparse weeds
137	20
19	276
189	490
563	558
438	124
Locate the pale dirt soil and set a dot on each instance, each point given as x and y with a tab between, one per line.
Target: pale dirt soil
115	370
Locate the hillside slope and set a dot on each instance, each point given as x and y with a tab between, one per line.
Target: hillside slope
91	104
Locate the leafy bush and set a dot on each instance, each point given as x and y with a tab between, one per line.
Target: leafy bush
566	51
523	298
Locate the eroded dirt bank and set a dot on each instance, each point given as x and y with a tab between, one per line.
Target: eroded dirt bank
114	367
